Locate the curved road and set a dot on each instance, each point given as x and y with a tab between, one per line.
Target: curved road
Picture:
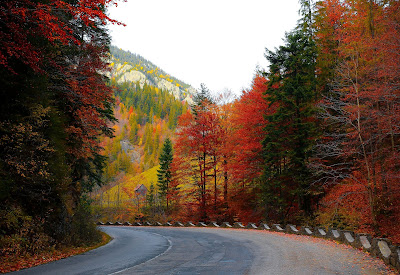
166	250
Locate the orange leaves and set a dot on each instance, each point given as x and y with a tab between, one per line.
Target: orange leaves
23	19
358	38
10	263
248	124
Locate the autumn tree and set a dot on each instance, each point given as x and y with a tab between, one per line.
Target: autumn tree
54	106
196	150
360	103
244	149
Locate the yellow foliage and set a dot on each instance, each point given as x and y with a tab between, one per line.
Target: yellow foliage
129	183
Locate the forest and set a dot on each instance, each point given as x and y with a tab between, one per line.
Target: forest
55	104
314	141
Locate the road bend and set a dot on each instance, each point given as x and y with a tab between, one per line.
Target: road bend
171	250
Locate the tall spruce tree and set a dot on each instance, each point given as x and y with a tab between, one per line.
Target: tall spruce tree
164	173
291	130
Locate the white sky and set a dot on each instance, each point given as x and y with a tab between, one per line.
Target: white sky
215	42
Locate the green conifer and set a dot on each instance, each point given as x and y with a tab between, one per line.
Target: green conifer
164	173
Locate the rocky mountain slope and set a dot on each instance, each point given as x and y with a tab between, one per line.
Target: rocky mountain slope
129	67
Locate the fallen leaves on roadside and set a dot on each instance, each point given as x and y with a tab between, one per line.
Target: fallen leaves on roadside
10	263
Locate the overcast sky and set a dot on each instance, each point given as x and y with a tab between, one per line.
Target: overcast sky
216	42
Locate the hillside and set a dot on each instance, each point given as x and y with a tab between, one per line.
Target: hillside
148	103
130	67
122	193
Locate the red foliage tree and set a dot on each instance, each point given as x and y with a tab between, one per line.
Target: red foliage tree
364	104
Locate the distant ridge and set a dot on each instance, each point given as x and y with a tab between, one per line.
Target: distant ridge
131	67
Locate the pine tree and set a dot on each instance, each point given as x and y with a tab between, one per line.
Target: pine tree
164	173
291	130
150	198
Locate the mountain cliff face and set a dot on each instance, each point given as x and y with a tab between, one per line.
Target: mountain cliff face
129	67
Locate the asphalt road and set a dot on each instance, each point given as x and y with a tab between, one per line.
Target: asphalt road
165	250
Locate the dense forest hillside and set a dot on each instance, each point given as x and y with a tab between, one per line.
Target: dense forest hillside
315	140
55	106
148	103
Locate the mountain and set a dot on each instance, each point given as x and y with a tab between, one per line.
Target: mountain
148	103
130	67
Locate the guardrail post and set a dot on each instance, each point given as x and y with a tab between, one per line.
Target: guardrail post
363	241
226	225
334	234
178	224
277	228
189	224
251	225
381	248
238	225
348	237
264	226
213	224
291	229
305	230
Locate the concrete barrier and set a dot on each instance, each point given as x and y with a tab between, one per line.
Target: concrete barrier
189	224
277	228
167	224
291	229
146	223
109	223
251	225
334	234
264	226
213	224
201	224
238	225
137	224
363	241
320	232
395	258
127	223
158	224
178	224
306	230
348	237
226	225
100	223
381	248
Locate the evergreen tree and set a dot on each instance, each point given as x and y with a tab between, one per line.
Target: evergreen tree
150	198
164	173
291	130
